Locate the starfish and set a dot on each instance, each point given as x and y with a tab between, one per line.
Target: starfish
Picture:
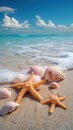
54	100
28	86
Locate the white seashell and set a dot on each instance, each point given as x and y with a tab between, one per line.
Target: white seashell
19	78
5	93
36	78
54	74
54	85
8	107
38	70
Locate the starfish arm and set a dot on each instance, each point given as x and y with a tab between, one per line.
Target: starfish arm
39	83
18	85
61	104
31	78
46	101
62	98
52	108
35	93
21	94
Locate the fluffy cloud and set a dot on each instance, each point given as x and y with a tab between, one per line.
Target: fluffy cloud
51	24
7	9
40	22
25	24
13	23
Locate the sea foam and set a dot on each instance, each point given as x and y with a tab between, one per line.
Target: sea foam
35	50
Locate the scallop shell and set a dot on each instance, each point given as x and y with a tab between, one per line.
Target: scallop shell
38	70
19	78
54	85
54	74
8	107
5	93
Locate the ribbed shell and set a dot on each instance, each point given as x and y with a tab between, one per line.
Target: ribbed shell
54	74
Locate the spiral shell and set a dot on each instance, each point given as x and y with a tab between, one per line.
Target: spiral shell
5	93
54	74
8	107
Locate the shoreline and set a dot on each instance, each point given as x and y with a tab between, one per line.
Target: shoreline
32	115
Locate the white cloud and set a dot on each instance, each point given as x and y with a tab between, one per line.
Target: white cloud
51	24
26	24
40	22
62	26
7	9
13	23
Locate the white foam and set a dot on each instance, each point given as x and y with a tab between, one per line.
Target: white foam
7	76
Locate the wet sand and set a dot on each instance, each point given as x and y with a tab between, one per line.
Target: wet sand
32	115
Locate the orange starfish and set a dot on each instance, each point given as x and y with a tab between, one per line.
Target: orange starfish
28	86
54	100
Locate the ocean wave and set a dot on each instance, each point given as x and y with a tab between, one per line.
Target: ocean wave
43	49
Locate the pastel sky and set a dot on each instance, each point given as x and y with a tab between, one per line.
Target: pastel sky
36	16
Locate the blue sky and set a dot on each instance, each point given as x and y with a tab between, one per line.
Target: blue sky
36	16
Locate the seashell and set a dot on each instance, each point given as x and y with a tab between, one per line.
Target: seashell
38	70
19	78
54	85
54	74
5	93
36	78
8	107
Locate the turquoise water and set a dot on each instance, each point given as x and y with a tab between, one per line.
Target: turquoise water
41	50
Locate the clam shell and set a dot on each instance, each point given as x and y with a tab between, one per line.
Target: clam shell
54	85
5	93
38	70
19	78
54	74
8	107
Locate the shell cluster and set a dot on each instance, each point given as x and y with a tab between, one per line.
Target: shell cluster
52	74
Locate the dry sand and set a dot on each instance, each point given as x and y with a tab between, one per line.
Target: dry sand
32	115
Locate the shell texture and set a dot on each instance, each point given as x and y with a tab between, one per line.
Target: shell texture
19	78
4	93
8	107
54	74
37	78
38	70
54	85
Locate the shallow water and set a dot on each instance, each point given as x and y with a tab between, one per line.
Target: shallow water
20	52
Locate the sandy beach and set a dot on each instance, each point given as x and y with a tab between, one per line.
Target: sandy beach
32	115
